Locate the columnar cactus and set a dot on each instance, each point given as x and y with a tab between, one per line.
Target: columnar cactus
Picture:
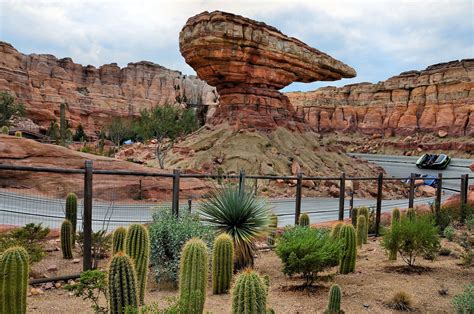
123	292
18	134
334	306
392	254
137	246
118	240
249	294
411	213
71	213
349	249
5	130
13	280
361	230
365	212
304	220
193	276
335	230
66	239
395	216
222	263
355	212
273	227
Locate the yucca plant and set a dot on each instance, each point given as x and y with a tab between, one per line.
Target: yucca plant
240	214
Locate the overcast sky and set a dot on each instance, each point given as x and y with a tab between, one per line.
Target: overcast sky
378	38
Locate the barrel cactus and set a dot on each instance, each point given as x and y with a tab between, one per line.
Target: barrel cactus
349	249
249	294
5	130
118	240
222	263
273	229
71	213
18	134
193	276
137	246
365	212
411	213
122	282
14	280
361	230
66	239
334	306
304	220
336	229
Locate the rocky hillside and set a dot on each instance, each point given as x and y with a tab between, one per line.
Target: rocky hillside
439	99
93	95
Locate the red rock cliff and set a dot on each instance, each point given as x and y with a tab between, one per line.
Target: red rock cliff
438	99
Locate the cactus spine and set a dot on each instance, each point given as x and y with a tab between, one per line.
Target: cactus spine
18	134
334	306
411	213
13	280
304	220
336	229
118	240
122	283
349	249
222	263
193	276
71	214
137	246
5	130
361	230
249	295
66	239
273	227
365	212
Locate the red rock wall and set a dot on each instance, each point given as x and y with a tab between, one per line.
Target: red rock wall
93	95
439	99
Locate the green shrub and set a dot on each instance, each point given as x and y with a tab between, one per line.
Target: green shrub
464	302
28	237
412	237
101	243
467	243
470	223
446	216
272	229
307	251
168	234
449	233
465	212
92	285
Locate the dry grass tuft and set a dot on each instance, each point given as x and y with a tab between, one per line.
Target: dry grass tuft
401	301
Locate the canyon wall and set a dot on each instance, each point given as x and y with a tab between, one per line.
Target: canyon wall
439	99
94	95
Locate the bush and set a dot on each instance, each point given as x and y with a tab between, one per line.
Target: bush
412	237
449	233
467	243
307	251
401	301
464	302
101	245
446	216
470	223
168	234
28	237
91	285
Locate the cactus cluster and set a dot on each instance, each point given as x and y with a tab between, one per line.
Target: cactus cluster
222	263
349	249
411	213
5	130
273	228
66	239
137	246
13	280
336	229
193	276
118	240
334	305
122	284
71	213
361	230
249	294
304	220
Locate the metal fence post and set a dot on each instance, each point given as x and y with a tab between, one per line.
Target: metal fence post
190	203
378	210
175	197
241	180
439	190
299	186
342	194
87	217
411	192
464	188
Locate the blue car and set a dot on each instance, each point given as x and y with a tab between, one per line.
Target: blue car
427	179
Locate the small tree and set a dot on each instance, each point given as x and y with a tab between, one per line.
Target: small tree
119	129
9	108
80	135
165	124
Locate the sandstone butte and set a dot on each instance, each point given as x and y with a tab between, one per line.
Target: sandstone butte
248	62
93	95
439	99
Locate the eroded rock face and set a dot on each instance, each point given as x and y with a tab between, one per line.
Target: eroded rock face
439	99
248	62
94	95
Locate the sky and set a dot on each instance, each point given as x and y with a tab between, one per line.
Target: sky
379	38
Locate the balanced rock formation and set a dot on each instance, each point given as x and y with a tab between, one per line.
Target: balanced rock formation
248	62
94	95
439	99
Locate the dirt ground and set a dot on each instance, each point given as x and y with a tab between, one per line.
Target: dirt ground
365	291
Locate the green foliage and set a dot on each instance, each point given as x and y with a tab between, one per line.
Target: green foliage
361	230
412	237
222	263
122	284
249	294
92	285
137	246
9	108
71	214
53	132
66	239
101	242
118	240
168	235
18	134
272	232
349	249
5	130
465	212
335	295
193	276
470	222
28	237
464	303
14	280
335	230
80	135
240	214
364	211
304	220
119	129
411	213
307	251
467	243
449	233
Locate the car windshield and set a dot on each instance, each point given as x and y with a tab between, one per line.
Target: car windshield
440	158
